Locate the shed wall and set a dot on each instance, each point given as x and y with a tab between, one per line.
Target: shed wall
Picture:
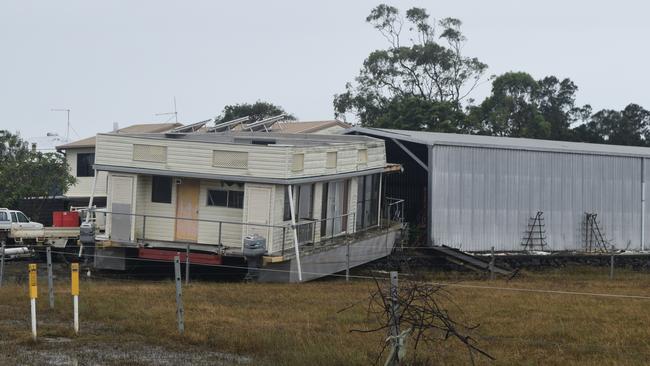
484	197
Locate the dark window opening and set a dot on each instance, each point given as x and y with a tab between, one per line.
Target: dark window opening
303	200
367	201
161	189
223	198
85	164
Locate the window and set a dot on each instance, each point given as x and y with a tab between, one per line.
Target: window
303	199
161	189
85	165
331	160
367	200
223	198
335	208
14	218
3	216
21	217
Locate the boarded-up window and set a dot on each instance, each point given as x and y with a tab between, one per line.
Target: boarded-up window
331	160
151	153
362	156
298	163
230	159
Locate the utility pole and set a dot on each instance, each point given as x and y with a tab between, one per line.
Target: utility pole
67	110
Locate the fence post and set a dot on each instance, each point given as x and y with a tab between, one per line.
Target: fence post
347	259
2	260
491	266
284	238
611	265
179	294
144	227
220	224
33	294
394	320
74	290
187	265
50	279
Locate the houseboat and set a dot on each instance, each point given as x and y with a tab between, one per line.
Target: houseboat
315	201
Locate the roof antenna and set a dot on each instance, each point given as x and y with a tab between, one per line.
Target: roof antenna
67	131
175	112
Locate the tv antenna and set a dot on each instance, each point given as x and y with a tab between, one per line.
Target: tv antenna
174	113
67	132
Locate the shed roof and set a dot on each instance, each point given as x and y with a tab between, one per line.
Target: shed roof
514	143
137	128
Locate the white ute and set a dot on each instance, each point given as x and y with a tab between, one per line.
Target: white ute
16	227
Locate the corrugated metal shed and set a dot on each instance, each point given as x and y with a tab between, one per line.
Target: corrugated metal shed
485	189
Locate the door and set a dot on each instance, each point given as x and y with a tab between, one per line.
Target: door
121	205
187	207
258	201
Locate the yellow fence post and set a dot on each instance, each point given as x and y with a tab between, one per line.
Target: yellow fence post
74	289
33	294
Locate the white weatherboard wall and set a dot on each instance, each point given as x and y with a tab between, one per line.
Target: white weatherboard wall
83	186
263	161
484	197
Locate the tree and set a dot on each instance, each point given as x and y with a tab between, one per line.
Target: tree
557	104
415	113
512	109
631	126
430	70
257	111
26	173
520	106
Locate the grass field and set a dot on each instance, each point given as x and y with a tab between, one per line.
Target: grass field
133	322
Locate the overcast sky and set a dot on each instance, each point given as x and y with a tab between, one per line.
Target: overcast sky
124	61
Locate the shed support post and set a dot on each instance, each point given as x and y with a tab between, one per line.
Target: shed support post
295	231
642	204
430	241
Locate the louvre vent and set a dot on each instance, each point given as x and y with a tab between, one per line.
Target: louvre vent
362	156
298	163
331	160
151	153
230	159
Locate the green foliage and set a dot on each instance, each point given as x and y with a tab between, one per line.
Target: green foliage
430	70
512	109
421	85
631	126
257	111
27	173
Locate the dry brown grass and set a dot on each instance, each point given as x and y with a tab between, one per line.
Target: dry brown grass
299	325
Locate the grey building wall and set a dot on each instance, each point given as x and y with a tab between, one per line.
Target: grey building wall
484	197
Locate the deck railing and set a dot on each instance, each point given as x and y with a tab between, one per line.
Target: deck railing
146	228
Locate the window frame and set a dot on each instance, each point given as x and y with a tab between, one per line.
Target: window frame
83	161
156	186
229	198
